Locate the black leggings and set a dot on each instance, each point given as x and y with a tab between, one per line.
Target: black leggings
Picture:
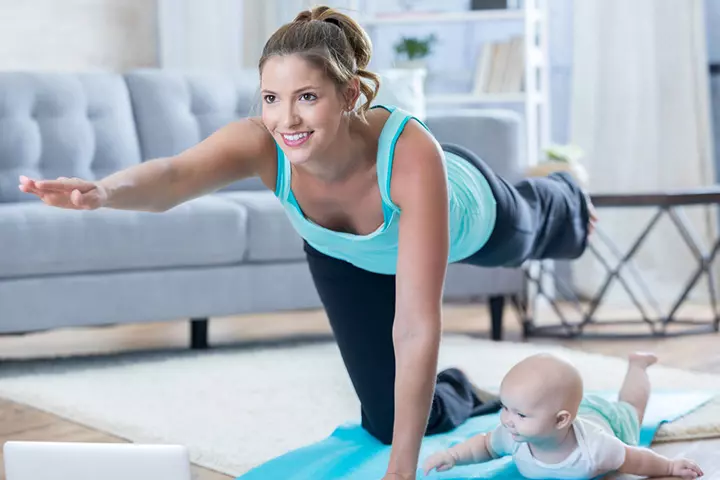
538	218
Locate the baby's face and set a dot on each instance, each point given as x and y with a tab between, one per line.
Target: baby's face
525	415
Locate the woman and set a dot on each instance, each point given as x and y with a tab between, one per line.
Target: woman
382	207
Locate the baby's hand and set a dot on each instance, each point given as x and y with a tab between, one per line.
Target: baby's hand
441	461
684	468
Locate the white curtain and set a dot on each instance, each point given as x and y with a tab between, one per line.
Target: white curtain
258	24
262	18
640	110
200	35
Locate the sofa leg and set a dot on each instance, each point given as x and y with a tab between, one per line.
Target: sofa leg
497	305
198	333
521	308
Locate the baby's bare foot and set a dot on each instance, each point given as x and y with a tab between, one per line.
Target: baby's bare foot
642	359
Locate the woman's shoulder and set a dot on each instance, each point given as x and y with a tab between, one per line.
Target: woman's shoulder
376	118
403	125
415	158
247	135
248	142
409	138
403	142
397	129
267	153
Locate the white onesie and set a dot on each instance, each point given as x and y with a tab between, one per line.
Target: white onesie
598	452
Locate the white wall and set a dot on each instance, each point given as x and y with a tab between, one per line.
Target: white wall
77	35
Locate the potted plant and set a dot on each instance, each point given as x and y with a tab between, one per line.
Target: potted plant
411	51
562	158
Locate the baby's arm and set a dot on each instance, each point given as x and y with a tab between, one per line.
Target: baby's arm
646	463
474	450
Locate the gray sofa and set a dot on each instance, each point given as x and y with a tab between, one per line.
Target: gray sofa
231	252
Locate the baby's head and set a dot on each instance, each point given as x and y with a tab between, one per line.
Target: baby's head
540	397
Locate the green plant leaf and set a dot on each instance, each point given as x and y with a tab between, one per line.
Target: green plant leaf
414	48
565	153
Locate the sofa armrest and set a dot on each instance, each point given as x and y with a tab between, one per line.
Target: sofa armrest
496	136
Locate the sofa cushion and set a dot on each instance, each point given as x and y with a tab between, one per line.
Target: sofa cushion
37	239
271	236
56	124
176	110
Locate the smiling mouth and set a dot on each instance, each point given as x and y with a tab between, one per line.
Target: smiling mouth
296	139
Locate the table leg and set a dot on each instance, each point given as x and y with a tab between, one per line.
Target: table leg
657	324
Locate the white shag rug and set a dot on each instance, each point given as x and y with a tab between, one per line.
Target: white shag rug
237	408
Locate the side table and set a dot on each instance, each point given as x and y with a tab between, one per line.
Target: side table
664	203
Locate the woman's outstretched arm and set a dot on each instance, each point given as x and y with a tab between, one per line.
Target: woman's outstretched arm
236	151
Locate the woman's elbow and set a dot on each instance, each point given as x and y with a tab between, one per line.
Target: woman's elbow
417	330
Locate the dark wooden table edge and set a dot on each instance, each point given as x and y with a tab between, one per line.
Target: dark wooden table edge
698	196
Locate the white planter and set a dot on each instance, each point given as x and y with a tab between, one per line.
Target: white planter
575	169
404	88
419	64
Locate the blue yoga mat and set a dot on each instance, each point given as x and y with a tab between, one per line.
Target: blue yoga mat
350	453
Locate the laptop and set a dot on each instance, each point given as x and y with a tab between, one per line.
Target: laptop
94	461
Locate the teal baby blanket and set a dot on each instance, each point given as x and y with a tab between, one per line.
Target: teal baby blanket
350	453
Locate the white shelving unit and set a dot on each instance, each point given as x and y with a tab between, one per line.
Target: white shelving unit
535	95
465	98
443	17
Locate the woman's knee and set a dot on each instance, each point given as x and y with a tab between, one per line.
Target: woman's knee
383	433
379	422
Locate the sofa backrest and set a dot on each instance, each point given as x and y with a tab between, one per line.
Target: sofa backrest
496	136
58	124
176	110
91	125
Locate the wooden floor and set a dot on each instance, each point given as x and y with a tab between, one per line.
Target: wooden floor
18	422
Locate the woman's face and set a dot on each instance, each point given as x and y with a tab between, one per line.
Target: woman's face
301	107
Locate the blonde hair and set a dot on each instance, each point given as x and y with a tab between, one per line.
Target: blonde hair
332	42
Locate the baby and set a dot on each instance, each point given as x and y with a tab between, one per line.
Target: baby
554	431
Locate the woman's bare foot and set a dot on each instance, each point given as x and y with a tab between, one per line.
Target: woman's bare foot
592	213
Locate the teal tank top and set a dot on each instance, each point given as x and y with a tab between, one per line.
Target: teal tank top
472	209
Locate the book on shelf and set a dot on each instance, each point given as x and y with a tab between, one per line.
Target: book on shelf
500	67
496	4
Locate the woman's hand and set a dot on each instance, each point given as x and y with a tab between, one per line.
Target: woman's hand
71	193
